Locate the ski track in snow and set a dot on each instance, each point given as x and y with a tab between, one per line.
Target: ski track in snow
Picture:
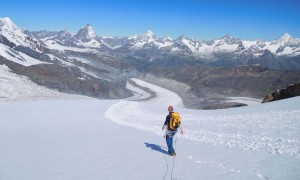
276	131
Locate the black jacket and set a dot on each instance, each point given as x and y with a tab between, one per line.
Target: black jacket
167	122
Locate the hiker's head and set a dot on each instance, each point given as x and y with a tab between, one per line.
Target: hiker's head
170	108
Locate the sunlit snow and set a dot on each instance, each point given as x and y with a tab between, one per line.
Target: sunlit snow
122	139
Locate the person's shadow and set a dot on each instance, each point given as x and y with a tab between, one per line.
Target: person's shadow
156	148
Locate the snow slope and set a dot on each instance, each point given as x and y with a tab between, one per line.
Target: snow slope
12	32
251	128
52	44
82	139
18	57
14	88
244	100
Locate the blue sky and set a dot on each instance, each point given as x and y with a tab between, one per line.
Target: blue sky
201	19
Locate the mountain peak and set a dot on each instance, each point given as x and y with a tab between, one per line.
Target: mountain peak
229	39
168	39
285	37
227	36
7	23
181	37
149	33
86	32
148	36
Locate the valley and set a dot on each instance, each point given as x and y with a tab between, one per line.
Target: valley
203	73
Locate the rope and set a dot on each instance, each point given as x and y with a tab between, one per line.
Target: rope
167	167
166	162
173	160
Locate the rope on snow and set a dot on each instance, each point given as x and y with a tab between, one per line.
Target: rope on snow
173	160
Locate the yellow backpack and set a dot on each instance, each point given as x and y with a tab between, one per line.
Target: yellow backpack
174	121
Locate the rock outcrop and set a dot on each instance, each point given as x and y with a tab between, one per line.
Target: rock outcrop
288	92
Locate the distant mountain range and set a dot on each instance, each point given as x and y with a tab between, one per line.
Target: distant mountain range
98	66
282	53
210	49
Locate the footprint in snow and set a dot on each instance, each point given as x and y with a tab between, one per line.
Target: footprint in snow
219	164
202	162
222	165
261	176
235	170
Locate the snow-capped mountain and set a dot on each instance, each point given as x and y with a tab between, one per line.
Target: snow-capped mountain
149	36
9	30
87	37
19	47
86	33
209	49
16	35
99	66
42	57
284	45
225	51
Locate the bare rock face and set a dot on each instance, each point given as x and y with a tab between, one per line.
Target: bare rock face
288	92
246	81
69	80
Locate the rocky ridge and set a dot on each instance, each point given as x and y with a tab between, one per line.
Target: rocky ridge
291	90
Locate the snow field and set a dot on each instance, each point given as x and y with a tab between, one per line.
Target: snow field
139	94
244	100
81	139
14	88
274	131
18	57
163	96
260	134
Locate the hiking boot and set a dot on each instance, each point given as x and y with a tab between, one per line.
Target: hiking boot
173	154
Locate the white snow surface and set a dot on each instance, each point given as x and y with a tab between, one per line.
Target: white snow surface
52	44
163	96
91	43
12	32
244	100
18	57
139	94
15	88
122	139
